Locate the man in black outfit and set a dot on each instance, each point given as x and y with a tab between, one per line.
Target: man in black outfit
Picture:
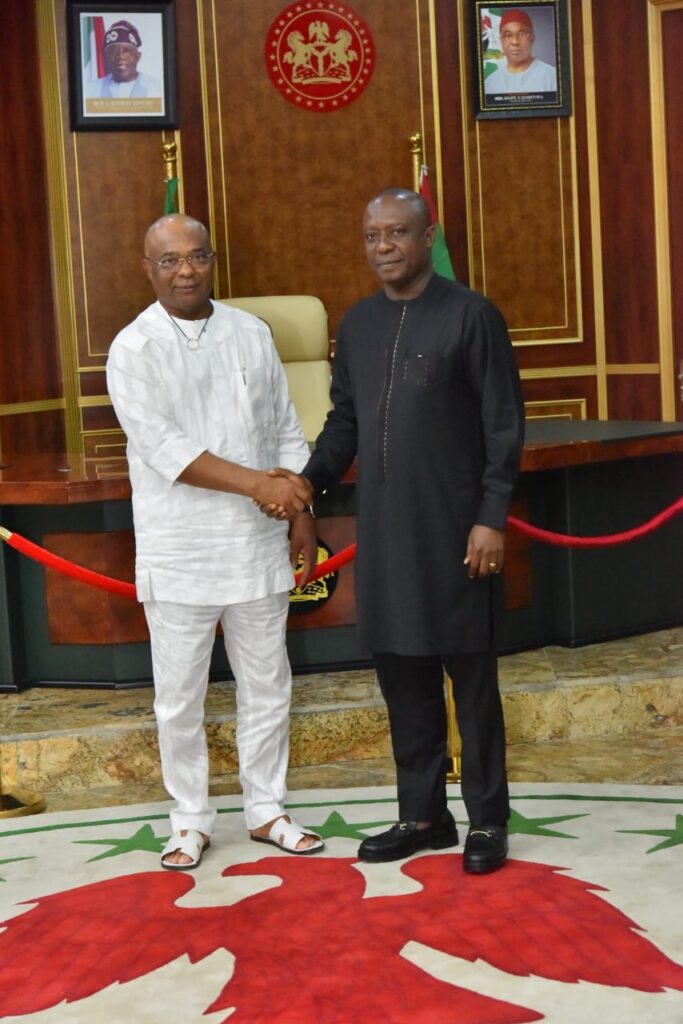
426	394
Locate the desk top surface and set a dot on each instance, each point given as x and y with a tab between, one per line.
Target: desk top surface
64	479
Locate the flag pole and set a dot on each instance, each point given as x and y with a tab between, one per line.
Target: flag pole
417	155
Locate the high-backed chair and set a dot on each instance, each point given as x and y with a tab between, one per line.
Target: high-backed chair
299	327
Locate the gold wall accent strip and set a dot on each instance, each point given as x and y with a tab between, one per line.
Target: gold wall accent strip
419	77
464	120
557	372
59	235
207	136
40	405
594	202
221	150
573	163
655	10
632	368
92	401
553	407
437	110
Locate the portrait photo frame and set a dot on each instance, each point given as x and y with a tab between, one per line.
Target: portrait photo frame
122	65
532	35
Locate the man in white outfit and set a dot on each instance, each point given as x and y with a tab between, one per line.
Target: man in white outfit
202	396
521	71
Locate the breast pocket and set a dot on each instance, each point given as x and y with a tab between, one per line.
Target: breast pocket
258	410
424	371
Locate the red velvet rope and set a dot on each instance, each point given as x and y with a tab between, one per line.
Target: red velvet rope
96	579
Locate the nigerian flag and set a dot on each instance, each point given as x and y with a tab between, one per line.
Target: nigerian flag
171	196
92	41
441	260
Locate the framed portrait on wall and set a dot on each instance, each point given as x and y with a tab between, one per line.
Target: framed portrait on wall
122	64
522	59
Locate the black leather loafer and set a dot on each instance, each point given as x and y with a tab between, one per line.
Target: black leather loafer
405	838
486	849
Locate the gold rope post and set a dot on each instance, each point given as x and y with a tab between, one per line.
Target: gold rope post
453	747
13	805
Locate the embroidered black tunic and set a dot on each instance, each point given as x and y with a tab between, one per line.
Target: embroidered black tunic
426	393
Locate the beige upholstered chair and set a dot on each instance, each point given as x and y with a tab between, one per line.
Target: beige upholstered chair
299	327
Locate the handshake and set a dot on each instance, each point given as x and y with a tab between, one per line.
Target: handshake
282	494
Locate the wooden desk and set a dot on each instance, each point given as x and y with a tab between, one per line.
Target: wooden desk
578	477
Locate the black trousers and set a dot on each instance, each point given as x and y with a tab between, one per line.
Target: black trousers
413	688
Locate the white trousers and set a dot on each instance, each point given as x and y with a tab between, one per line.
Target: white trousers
182	638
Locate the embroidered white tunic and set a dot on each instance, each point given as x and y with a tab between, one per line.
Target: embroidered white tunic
229	397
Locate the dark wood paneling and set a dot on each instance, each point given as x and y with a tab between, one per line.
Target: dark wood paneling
634	397
625	167
298	181
100	417
672	38
32	432
93	383
555	390
28	345
112	168
79	614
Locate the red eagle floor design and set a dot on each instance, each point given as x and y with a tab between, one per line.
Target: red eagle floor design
315	950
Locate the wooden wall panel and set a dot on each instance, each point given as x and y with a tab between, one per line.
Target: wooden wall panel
672	38
31	433
295	182
625	169
526	248
634	397
29	357
550	396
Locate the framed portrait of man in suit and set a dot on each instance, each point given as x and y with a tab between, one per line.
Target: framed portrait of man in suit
522	66
121	65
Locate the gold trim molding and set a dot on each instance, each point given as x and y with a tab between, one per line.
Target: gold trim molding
59	235
594	204
40	405
656	9
553	405
558	372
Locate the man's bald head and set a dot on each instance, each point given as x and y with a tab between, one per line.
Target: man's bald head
170	225
414	201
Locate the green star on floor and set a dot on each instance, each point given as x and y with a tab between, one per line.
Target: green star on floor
144	839
12	860
674	836
336	826
520	826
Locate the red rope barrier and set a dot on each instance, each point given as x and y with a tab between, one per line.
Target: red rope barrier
76	572
96	579
567	541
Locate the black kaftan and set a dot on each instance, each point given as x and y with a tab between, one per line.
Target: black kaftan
426	392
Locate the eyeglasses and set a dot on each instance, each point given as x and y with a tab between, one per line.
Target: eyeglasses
522	34
193	259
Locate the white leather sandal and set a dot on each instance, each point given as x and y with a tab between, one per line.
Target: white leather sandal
285	834
192	844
